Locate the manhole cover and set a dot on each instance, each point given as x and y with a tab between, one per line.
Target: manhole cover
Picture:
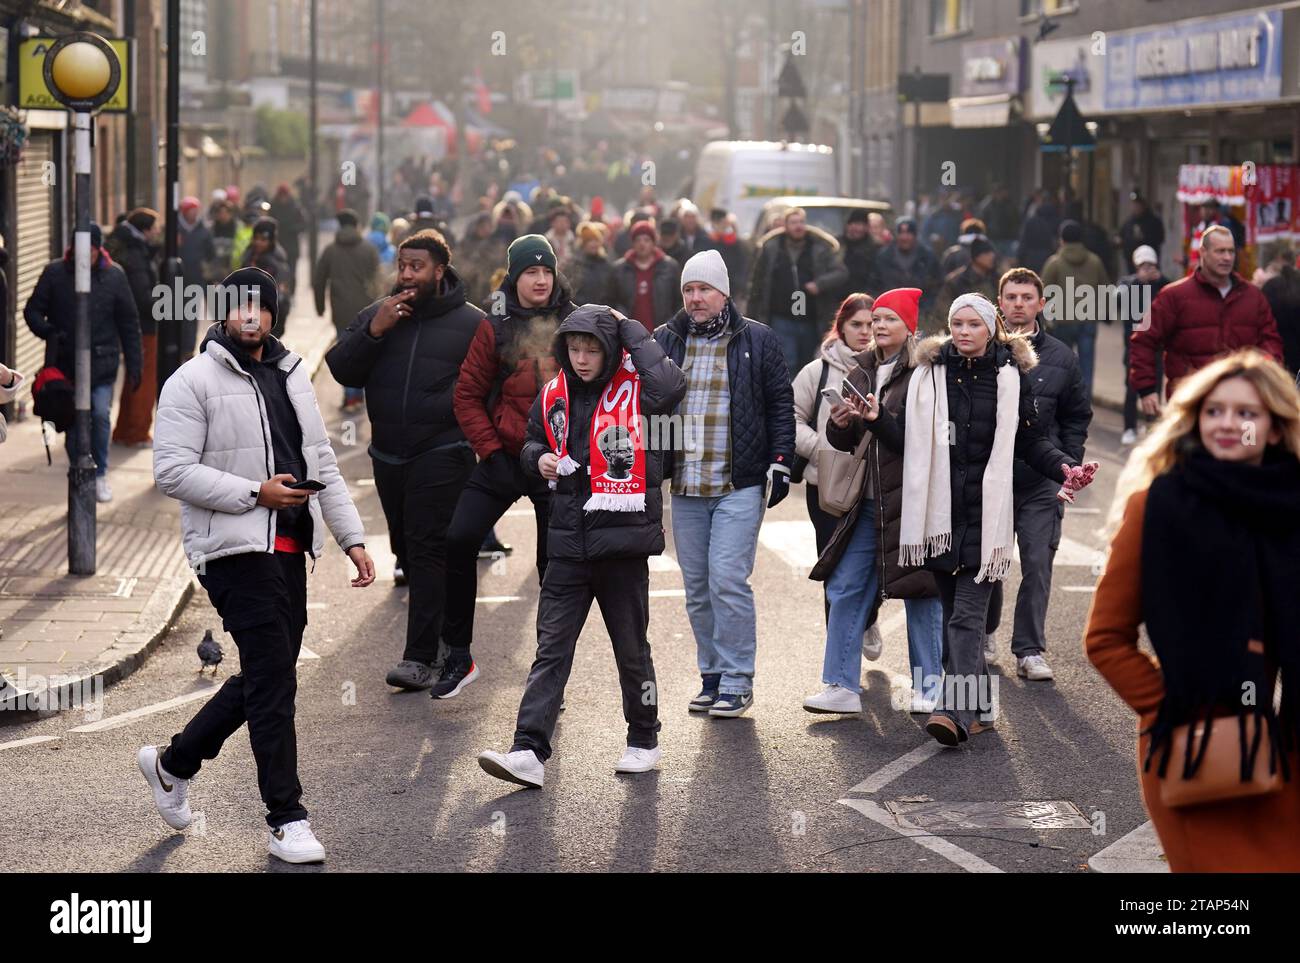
940	816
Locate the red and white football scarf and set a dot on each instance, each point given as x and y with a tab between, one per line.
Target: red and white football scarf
618	462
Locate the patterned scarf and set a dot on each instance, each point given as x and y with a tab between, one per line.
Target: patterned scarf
710	327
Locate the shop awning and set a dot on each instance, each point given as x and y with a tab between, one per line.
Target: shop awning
992	110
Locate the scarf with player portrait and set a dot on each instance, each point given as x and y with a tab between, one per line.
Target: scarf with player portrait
617	446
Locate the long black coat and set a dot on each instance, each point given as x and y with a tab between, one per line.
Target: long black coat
972	411
135	258
575	533
1063	406
410	373
51	313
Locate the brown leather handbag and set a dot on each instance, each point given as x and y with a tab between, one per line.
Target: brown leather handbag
840	476
1218	778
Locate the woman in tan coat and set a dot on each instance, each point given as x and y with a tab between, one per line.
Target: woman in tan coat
1209	564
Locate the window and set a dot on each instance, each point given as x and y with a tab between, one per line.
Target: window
949	16
1035	8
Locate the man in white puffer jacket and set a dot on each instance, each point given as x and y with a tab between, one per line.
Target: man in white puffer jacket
236	426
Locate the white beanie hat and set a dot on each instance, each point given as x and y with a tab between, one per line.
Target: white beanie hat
1145	254
983	307
709	268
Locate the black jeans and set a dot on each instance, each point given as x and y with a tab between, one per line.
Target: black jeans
493	487
262	600
823	528
419	499
1130	396
967	689
622	589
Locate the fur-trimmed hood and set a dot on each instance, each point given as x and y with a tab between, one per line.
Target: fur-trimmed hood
1020	346
816	232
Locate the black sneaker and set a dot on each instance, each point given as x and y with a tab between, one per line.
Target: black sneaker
456	674
411	675
729	705
493	546
708	694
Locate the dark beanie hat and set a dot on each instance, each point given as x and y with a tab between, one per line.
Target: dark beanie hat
1071	231
980	246
857	216
96	236
251	277
525	252
424	204
265	227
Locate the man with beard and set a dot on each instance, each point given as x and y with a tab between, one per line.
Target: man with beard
238	425
859	250
509	360
406	351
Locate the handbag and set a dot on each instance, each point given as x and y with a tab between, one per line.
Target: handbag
1218	778
800	462
840	476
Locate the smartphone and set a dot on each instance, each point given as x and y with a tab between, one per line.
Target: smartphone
309	485
848	390
832	397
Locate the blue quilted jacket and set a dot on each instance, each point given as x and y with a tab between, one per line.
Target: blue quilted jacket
762	401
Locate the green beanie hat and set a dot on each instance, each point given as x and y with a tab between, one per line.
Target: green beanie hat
526	251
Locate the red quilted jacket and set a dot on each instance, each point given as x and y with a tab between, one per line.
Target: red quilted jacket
1193	324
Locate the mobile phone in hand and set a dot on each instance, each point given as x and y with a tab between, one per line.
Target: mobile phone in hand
832	397
307	485
849	391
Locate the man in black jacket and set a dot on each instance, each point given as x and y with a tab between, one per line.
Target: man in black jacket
133	245
595	551
51	313
739	409
406	351
1065	412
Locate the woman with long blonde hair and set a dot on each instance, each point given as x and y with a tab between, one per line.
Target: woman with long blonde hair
1206	555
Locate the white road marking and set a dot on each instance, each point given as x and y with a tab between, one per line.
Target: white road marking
904	763
125	586
317	606
663	563
1135	852
949	851
305	654
30	741
126	718
519	513
1078	588
494	599
426	747
795	542
1079	510
668	593
365	482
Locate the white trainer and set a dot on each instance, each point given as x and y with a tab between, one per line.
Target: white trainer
295	843
872	643
638	760
834	700
521	766
1034	668
1129	437
170	794
103	493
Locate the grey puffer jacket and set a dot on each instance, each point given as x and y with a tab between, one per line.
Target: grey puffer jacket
212	451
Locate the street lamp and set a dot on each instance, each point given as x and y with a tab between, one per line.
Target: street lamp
83	74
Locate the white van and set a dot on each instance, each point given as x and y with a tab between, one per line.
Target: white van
742	175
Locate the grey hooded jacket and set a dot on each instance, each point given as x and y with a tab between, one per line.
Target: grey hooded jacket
212	451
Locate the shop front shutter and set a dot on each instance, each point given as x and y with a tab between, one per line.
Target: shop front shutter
35	224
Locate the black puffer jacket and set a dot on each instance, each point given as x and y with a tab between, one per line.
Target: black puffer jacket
762	401
51	313
410	373
972	411
574	533
134	256
1063	406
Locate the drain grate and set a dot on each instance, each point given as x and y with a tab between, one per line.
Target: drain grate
1016	814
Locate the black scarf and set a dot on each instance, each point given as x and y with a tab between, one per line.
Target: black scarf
710	327
1220	567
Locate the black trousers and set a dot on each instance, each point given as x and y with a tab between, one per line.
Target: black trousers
823	528
967	688
493	487
419	499
622	589
262	600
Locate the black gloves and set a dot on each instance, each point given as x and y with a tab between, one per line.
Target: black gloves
778	477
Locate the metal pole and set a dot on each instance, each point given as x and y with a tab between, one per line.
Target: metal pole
313	201
380	56
170	347
81	473
132	122
916	163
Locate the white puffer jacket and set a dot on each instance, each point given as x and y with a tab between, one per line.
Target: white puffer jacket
7	395
212	451
809	438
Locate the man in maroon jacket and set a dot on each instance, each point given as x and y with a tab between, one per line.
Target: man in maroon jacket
508	362
1207	314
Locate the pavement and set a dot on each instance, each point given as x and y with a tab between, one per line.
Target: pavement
392	783
64	637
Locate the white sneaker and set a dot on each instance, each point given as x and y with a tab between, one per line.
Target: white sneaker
990	648
1129	437
295	843
1034	667
638	760
872	643
922	705
102	492
170	794
834	700
521	766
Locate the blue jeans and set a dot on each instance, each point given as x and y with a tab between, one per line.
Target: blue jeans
1082	336
925	644
101	399
800	340
716	539
851	591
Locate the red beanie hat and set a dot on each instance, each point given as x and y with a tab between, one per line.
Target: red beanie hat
642	227
905	302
